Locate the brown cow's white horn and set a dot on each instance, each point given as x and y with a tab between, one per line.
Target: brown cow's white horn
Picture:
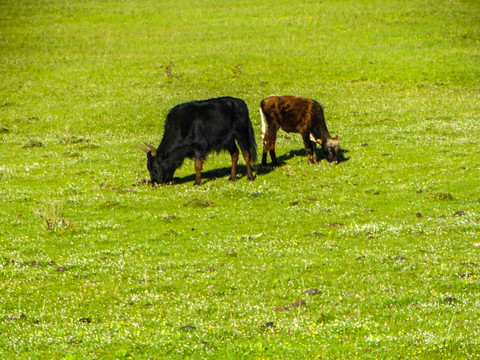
314	139
143	149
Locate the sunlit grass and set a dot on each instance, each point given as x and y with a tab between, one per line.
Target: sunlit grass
382	249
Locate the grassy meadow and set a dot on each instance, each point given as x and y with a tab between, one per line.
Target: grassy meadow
377	257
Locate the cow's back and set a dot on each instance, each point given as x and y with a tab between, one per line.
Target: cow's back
207	123
289	112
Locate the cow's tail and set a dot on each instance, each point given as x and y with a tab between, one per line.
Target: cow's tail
264	123
246	139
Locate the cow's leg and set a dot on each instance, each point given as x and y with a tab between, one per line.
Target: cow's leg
309	148
265	151
198	170
314	152
246	156
234	153
264	158
274	158
269	145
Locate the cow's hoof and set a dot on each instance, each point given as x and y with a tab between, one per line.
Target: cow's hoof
232	178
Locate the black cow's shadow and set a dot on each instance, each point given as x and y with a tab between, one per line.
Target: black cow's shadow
222	172
209	175
259	169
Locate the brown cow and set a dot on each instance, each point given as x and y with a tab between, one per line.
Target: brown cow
299	115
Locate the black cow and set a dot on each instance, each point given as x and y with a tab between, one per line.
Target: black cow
194	129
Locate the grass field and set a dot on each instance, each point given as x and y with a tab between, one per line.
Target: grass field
377	257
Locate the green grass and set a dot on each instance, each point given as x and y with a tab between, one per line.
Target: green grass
93	263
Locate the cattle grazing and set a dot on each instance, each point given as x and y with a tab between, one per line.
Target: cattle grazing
196	128
299	115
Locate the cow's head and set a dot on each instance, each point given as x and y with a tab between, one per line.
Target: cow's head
158	165
331	149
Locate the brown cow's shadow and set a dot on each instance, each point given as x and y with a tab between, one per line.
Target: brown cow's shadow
282	159
224	172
